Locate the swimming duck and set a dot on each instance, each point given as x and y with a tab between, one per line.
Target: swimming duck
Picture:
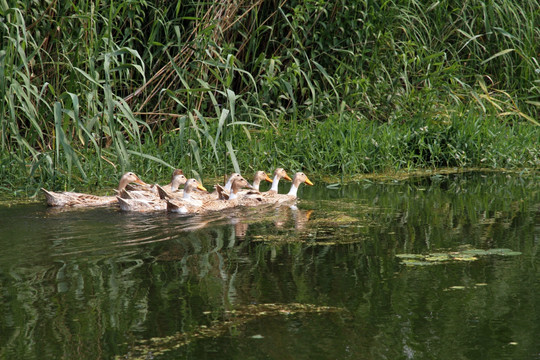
157	204
178	179
224	202
80	199
279	173
230	181
298	179
259	176
188	203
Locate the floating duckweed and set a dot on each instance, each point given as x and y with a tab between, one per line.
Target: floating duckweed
148	348
410	256
463	255
437	257
475	252
410	262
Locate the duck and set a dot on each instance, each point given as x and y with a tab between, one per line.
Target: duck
75	199
230	180
178	179
159	204
188	203
224	201
257	178
260	176
279	173
291	196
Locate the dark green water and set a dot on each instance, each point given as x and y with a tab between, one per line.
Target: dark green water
319	282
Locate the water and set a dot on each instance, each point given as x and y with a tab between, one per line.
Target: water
319	282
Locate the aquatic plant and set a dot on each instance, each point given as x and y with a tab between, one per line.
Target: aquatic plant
452	256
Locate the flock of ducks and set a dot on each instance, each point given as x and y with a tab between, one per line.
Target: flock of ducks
186	196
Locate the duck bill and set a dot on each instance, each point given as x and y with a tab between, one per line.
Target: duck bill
200	187
267	178
287	177
309	182
140	182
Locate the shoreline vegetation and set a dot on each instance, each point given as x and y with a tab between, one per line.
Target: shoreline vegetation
338	89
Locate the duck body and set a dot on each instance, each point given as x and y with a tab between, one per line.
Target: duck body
74	199
141	204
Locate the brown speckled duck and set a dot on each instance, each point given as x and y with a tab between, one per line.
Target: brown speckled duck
279	174
178	179
225	201
291	196
158	204
80	199
260	176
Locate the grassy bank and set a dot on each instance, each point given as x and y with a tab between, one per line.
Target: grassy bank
92	89
338	147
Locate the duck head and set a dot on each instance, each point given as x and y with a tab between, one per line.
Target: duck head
128	178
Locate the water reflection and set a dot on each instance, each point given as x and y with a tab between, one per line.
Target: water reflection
90	283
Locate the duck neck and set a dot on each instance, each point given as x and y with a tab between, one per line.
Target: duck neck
122	185
175	184
228	185
275	182
187	195
256	184
234	191
294	190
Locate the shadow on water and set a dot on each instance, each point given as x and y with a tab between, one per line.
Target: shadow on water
438	267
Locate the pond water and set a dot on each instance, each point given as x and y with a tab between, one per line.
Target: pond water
435	267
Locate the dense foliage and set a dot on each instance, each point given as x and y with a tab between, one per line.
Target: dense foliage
91	89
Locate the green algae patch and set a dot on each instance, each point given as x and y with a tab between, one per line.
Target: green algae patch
466	255
157	346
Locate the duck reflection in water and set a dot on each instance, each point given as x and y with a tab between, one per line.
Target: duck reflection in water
287	214
283	218
240	228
